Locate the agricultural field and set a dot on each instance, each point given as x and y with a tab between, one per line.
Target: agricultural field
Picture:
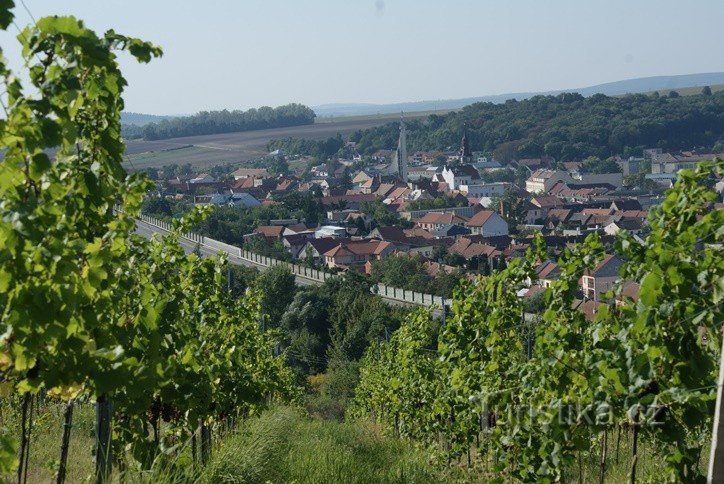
210	150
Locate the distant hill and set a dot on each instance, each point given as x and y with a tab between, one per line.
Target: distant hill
640	85
140	119
566	126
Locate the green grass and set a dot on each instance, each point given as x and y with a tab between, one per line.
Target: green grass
285	445
45	440
199	157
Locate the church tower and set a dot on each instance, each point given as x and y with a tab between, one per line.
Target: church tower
466	156
399	162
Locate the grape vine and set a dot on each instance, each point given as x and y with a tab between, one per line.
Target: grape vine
532	398
88	309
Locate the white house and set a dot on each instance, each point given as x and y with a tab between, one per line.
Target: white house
455	176
540	181
487	190
203	178
330	231
488	224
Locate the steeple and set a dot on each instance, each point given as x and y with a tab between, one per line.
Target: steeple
399	162
466	156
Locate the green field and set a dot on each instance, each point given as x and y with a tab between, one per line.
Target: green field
199	157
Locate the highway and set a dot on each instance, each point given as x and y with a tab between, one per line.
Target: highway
147	230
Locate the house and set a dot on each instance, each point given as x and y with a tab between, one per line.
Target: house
452	231
212	199
634	226
330	231
295	243
242	173
356	253
243	199
546	201
434	221
547	272
314	249
488	223
533	213
557	216
203	178
360	178
666	163
458	175
272	233
540	181
625	204
479	190
474	251
601	279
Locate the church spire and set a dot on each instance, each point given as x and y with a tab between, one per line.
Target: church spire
466	156
399	163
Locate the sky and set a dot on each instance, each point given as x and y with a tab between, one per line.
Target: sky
237	54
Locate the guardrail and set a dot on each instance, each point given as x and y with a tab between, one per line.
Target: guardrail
314	275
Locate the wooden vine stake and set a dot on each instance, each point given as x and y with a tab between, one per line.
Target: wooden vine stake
634	448
65	441
104	454
603	456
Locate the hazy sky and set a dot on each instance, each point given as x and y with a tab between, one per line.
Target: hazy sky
246	53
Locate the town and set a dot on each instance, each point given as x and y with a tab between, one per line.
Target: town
452	213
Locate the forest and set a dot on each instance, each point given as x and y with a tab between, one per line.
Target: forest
566	127
217	122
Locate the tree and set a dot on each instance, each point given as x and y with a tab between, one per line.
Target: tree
512	210
404	271
277	286
594	164
706	91
237	279
346	181
306	326
157	207
673	94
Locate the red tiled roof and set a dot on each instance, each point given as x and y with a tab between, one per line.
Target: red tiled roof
480	218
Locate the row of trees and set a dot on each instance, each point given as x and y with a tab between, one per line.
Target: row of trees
88	309
535	399
566	127
215	122
320	149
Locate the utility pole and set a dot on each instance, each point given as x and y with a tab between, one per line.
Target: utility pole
716	456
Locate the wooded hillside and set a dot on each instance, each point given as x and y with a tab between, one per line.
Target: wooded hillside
567	126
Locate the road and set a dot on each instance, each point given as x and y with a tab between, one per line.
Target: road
146	230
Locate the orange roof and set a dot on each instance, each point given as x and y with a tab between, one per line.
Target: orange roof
480	218
441	218
270	230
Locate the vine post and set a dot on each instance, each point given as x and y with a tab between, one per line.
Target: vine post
104	413
65	441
